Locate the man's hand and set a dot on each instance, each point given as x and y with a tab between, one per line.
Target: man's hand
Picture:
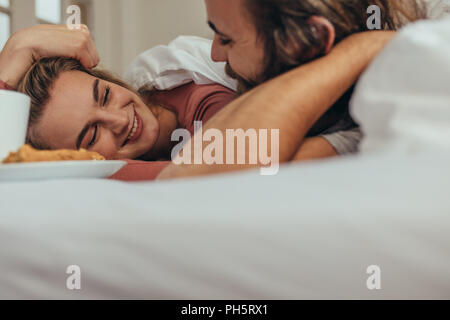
29	45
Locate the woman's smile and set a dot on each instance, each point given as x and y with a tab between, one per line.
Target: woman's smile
137	127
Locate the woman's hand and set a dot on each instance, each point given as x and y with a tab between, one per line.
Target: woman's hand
28	45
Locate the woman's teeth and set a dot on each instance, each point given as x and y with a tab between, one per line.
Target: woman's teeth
133	131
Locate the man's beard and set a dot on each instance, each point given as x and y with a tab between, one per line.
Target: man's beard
243	84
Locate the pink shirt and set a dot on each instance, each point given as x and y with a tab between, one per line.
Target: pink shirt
192	102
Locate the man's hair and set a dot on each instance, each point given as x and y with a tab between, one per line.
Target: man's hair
289	40
39	81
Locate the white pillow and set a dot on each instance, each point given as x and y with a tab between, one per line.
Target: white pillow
185	59
403	100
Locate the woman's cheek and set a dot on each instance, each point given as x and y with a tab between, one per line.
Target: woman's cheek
107	154
107	148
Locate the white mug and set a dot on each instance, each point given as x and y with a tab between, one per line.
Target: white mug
14	113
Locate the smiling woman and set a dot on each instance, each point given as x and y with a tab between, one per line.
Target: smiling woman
73	107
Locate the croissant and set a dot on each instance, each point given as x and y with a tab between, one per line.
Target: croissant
26	153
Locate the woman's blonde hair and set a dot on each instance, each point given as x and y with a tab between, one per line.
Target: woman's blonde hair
38	83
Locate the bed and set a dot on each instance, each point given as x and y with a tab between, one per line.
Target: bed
310	232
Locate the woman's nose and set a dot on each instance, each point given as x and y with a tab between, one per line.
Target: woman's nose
218	52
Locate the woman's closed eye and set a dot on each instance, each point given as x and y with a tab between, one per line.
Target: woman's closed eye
224	42
94	136
106	96
95	133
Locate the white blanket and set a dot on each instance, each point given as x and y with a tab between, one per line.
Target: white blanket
310	232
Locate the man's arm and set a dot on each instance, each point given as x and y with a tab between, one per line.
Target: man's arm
293	102
330	145
313	149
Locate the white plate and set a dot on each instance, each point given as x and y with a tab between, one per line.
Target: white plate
59	170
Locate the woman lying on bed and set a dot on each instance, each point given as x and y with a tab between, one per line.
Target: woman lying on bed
182	105
73	107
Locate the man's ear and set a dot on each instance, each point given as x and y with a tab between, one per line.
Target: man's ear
325	30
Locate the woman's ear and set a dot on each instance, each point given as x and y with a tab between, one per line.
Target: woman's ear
325	30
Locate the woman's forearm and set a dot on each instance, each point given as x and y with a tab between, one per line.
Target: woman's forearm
293	102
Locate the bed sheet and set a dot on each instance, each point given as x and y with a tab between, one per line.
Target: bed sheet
309	232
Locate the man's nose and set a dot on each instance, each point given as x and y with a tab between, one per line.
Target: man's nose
118	122
218	52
